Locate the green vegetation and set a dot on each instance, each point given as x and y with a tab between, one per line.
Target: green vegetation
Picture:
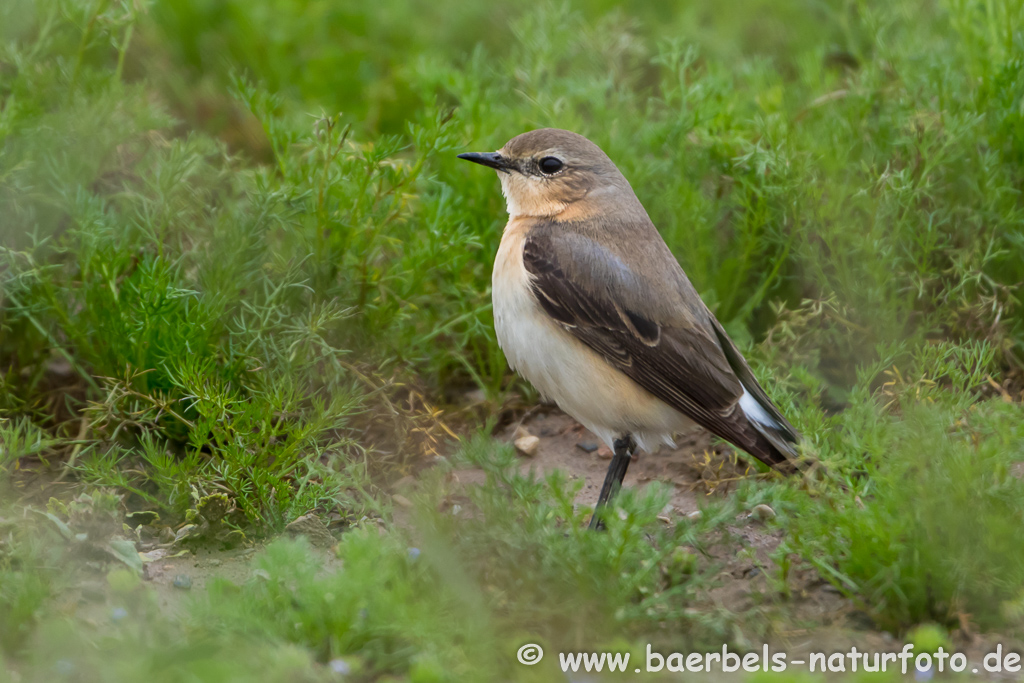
239	262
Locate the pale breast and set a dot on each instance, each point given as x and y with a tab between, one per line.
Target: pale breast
562	368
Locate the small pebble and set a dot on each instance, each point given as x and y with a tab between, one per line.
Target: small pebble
183	581
406	482
414	553
696	514
475	396
527	445
401	500
587	446
762	512
604	453
214	562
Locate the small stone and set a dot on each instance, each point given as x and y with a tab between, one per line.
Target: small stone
474	397
414	554
401	500
528	445
406	482
762	512
604	453
696	514
215	562
587	446
183	581
520	432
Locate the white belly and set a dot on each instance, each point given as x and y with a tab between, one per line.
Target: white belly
565	370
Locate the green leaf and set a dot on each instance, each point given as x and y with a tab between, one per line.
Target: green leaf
124	550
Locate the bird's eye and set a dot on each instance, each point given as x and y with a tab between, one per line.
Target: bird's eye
551	165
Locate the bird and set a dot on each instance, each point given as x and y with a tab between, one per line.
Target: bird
593	309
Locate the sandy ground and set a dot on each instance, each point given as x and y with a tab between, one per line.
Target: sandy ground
694	469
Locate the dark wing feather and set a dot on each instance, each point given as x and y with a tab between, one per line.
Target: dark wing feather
688	367
784	436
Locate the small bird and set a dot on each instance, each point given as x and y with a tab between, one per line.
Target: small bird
593	309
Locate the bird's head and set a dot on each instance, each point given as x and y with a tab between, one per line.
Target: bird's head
554	173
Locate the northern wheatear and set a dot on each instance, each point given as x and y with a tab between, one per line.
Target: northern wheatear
593	309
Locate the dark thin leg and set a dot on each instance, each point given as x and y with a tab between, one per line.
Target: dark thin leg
624	448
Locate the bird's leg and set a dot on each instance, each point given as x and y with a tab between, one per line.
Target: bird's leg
624	447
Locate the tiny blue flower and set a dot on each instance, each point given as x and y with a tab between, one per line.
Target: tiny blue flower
340	667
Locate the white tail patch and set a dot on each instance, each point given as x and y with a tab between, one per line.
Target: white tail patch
755	412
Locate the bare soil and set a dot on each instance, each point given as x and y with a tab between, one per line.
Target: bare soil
694	469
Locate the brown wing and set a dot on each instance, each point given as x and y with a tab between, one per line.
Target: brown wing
684	365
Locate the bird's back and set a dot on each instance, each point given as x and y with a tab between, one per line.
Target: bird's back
563	368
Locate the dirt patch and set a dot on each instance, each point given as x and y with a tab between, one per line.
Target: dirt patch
175	577
696	468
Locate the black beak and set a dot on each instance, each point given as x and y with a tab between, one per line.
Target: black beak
491	159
